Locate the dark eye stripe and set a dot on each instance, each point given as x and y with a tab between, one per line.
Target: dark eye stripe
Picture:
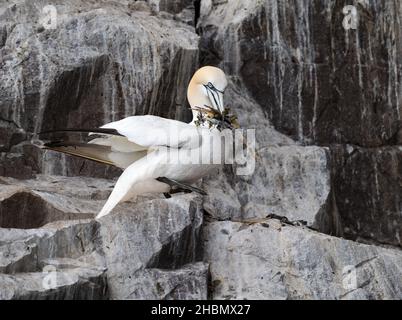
212	87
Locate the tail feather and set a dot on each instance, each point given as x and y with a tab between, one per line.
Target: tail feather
96	152
92	152
113	132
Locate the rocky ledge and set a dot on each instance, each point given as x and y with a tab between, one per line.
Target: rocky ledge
147	250
320	217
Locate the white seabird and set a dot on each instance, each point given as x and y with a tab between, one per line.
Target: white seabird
155	152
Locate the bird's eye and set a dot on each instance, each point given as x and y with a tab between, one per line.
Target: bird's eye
210	85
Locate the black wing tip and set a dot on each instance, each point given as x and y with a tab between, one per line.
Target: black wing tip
94	130
59	144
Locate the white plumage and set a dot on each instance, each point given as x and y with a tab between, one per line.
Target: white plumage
150	147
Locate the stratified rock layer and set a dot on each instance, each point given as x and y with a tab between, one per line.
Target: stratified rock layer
271	260
295	180
323	84
325	104
146	250
368	189
59	261
101	63
316	81
153	234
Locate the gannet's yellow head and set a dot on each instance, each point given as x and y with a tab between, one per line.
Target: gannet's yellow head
206	88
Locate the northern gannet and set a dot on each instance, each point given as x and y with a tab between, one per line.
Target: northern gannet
155	152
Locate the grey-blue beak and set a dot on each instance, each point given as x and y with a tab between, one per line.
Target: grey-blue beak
216	97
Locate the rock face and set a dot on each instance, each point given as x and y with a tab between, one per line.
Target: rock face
323	84
147	250
316	81
162	234
100	63
270	260
187	283
316	215
368	189
295	180
287	179
59	261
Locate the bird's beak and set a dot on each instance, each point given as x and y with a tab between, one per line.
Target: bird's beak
216	98
220	99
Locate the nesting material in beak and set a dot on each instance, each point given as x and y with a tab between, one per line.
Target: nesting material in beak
213	117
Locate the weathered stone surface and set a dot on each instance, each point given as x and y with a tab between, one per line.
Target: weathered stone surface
75	284
152	234
79	250
10	135
25	250
270	260
292	67
186	283
152	240
251	116
290	181
62	260
101	63
84	188
316	81
173	6
368	189
323	85
25	209
34	203
15	165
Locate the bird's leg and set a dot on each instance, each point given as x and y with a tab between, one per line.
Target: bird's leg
168	195
178	190
182	186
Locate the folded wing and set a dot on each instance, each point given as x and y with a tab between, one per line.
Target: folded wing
151	131
123	142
